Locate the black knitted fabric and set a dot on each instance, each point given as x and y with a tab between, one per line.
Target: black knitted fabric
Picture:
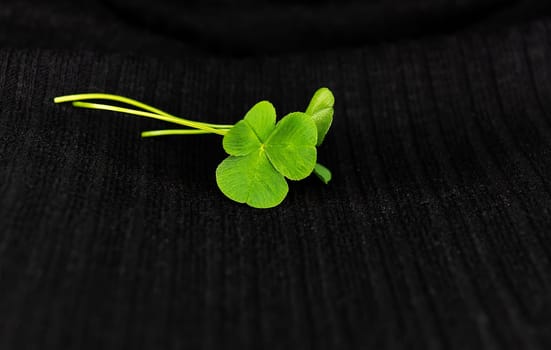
435	232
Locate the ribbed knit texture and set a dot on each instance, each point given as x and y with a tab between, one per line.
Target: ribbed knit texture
435	232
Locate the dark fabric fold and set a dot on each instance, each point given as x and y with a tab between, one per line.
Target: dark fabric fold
274	26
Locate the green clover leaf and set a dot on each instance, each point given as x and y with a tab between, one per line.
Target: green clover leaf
263	154
291	147
248	134
251	179
321	110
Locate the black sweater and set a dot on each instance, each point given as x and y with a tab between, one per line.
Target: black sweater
435	232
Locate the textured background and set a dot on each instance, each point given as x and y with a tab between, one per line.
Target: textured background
434	234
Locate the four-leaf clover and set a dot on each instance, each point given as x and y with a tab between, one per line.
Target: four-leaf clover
262	153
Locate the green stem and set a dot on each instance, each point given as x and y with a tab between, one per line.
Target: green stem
152	133
168	118
122	99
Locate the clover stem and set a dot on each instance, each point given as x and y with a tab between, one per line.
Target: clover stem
126	100
152	133
167	118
